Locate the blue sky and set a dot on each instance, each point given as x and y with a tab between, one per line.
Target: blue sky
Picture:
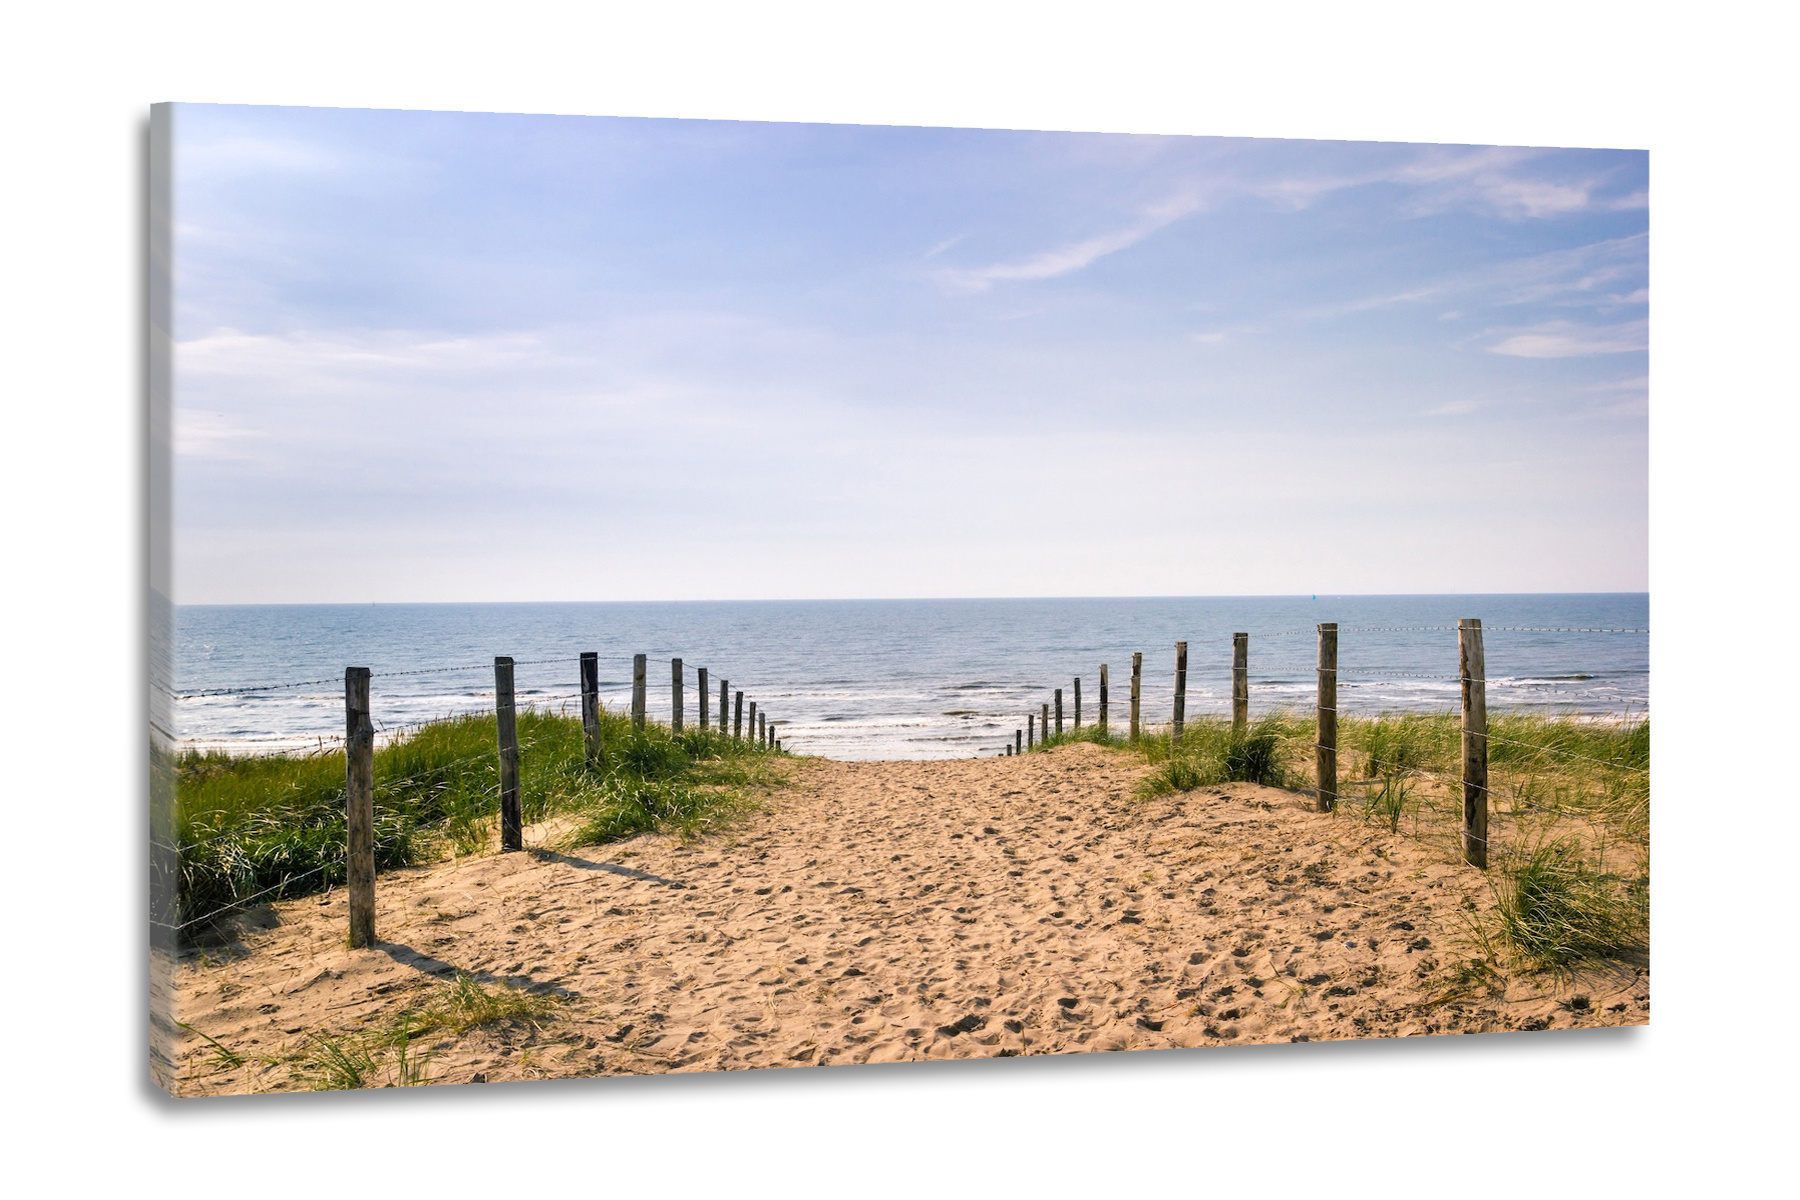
440	356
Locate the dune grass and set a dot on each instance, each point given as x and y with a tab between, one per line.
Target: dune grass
1555	908
384	1055
1211	752
272	827
1569	815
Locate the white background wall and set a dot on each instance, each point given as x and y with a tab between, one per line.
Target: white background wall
1695	1100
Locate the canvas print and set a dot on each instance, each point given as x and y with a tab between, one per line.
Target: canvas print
634	596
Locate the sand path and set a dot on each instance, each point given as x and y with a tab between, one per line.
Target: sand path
886	911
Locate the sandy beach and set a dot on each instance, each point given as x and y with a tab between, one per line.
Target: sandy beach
890	911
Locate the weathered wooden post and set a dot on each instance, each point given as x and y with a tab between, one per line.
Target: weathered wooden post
590	706
359	806
1326	720
753	720
1030	726
677	693
1474	741
1137	685
1018	741
512	827
1103	698
1180	690
1078	702
639	683
762	728
1240	681
737	719
705	697
724	704
1044	724
1058	712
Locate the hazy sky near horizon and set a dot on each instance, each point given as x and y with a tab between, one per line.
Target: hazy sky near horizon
447	356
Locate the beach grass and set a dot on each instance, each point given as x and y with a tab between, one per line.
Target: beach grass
386	1054
1555	908
1568	819
270	827
1211	751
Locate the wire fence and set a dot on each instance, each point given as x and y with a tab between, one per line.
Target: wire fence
251	689
1471	682
498	767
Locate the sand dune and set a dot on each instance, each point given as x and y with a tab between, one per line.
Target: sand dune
878	912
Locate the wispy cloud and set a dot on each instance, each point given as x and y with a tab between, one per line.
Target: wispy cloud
1234	332
1455	408
239	154
1075	256
1514	182
1368	303
1632	383
1563	340
407	353
1577	277
200	434
1581	273
1500	178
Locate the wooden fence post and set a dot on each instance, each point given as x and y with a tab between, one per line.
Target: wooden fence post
1473	668
724	704
359	806
1018	741
1326	719
1044	724
638	685
1240	681
590	706
1030	727
737	719
705	697
1180	690
512	829
677	694
753	720
762	728
1078	702
1137	682
1103	698
1058	712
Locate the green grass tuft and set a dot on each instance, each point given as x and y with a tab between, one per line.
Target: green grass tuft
1554	910
465	1004
385	1055
1212	752
337	1064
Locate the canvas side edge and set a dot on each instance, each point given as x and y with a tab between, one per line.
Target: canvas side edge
164	859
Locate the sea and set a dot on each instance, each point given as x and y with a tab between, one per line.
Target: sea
891	679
